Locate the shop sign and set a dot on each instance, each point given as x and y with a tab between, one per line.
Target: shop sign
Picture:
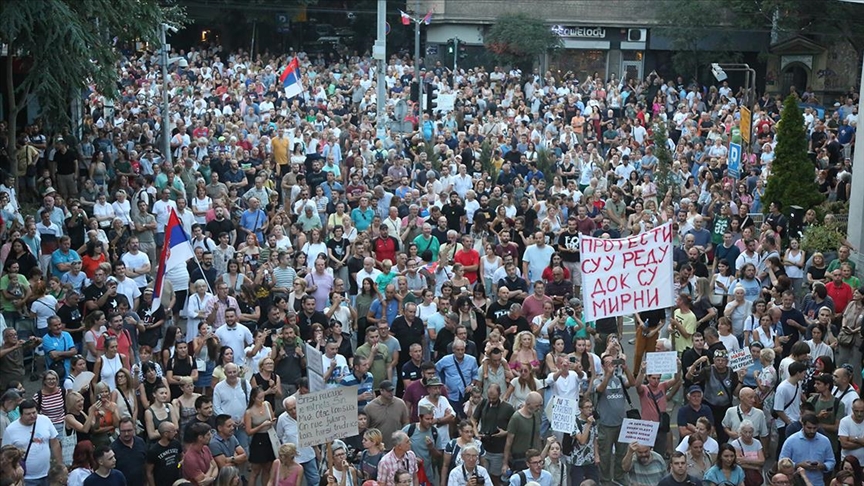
584	32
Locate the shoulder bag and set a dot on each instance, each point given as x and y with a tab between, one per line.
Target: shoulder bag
632	412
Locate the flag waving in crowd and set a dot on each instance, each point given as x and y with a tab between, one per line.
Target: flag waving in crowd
290	79
176	251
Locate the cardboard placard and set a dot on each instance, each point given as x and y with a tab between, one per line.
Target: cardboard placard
740	359
643	432
562	414
662	363
315	368
326	415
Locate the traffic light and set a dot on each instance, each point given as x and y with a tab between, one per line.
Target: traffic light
451	46
415	91
463	52
432	92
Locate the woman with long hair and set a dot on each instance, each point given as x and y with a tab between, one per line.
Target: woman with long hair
726	469
206	348
109	363
162	410
853	321
367	294
286	471
524	352
250	309
150	380
226	355
521	385
234	277
172	335
295	297
124	395
93	256
180	365
228	476
77	425
106	419
83	463
852	465
257	420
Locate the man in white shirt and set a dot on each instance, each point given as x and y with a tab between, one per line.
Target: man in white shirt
230	397
536	258
137	263
287	430
36	434
161	210
234	335
442	412
335	365
851	432
564	383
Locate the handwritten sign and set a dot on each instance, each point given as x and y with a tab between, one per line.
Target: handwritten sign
643	432
562	414
662	363
740	359
315	368
627	275
326	415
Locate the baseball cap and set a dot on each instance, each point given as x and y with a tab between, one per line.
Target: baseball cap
387	385
694	389
434	381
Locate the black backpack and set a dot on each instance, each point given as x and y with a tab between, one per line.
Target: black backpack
413	428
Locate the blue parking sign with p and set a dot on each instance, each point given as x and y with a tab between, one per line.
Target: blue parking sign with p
734	165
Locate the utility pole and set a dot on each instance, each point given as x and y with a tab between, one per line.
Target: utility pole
455	53
379	52
166	129
417	22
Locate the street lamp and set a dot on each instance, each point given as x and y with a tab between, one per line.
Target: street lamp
719	72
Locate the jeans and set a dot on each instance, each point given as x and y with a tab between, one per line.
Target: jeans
542	350
310	471
36	482
243	439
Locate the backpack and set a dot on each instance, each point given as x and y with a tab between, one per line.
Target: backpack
413	428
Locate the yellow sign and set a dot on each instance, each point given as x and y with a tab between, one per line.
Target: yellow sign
746	124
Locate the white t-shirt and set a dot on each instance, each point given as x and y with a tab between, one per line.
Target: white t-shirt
44	307
848	428
39	458
711	446
340	371
537	259
136	261
438	411
237	338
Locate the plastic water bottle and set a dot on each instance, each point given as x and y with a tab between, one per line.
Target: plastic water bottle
506	476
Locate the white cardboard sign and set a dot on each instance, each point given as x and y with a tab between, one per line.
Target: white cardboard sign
740	359
562	414
326	415
643	432
662	362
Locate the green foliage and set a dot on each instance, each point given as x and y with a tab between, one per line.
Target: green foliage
663	176
67	45
792	179
519	39
546	163
822	238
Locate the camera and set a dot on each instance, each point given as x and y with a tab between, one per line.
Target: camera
570	312
480	479
618	361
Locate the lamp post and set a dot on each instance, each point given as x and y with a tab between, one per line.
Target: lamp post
417	22
379	53
855	229
166	130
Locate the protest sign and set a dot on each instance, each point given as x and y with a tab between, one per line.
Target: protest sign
643	432
562	414
662	363
315	368
327	415
624	276
740	359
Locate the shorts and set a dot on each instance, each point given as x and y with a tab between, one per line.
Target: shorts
575	269
494	463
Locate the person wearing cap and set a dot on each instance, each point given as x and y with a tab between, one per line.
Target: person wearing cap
720	386
443	412
387	413
694	409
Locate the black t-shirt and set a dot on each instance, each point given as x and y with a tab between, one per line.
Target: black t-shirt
453	213
496	310
570	241
339	248
94	293
180	367
71	317
151	337
65	162
410	371
407	334
216	227
671	481
115	478
166	462
305	322
131	461
354	265
652	318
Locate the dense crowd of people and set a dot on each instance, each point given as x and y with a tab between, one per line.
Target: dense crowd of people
436	270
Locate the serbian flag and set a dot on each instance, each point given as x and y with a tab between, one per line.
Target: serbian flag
290	79
428	18
406	19
176	251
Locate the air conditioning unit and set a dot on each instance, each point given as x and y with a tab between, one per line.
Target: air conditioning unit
637	35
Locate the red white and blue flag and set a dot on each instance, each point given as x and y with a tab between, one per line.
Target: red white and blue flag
290	79
177	250
427	19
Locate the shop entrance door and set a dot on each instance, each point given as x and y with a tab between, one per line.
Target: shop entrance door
631	70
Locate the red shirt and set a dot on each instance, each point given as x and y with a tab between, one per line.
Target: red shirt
468	258
124	342
841	294
385	249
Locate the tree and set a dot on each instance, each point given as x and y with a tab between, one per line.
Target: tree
64	46
663	175
519	40
792	180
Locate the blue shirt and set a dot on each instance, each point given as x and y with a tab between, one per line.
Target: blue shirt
362	386
362	219
715	475
457	376
59	257
63	342
392	310
545	478
253	221
799	448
